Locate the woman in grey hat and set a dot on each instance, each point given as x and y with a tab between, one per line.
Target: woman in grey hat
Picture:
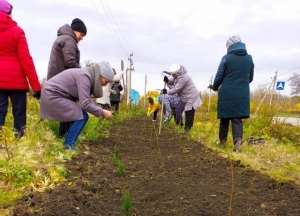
67	97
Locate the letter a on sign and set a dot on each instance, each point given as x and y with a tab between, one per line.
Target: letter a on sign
280	85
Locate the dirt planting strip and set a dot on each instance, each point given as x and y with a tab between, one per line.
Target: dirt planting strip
166	174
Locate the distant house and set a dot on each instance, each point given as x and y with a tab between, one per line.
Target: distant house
135	96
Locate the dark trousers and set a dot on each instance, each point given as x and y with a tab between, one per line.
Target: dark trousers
179	111
115	105
64	128
19	102
104	106
236	126
174	114
155	114
189	119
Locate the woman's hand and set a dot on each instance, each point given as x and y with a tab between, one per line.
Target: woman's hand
107	114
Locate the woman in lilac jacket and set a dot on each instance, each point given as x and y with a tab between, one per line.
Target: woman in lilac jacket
66	97
186	90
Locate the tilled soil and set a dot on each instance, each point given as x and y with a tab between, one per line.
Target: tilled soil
166	174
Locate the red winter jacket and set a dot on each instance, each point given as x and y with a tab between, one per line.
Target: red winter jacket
16	64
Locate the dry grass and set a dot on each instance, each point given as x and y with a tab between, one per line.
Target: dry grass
276	158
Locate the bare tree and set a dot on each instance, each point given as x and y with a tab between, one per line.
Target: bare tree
295	84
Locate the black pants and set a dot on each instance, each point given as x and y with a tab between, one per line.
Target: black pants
115	105
19	104
104	106
179	111
236	126
174	113
64	128
155	114
189	119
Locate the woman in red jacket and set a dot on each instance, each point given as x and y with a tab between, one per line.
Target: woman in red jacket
16	67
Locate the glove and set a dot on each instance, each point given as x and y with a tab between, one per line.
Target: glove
164	91
113	91
148	114
166	120
210	86
166	79
37	94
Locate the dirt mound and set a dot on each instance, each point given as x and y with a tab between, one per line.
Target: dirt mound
165	174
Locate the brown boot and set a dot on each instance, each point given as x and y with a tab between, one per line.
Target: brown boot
237	146
222	143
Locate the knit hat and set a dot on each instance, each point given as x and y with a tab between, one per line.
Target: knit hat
78	25
106	71
232	40
151	100
5	7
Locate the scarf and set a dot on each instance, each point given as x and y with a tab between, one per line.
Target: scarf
96	88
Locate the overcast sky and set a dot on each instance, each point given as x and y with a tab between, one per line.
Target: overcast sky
159	33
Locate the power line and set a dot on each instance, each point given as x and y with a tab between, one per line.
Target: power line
289	71
108	28
112	25
118	27
263	81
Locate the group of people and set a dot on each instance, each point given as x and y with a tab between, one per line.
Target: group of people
66	95
234	74
181	96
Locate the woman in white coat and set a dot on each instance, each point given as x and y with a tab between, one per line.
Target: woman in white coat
104	101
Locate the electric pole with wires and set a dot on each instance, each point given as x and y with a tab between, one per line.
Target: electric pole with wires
129	80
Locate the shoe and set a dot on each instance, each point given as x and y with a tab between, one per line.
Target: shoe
166	120
222	143
153	120
187	129
237	146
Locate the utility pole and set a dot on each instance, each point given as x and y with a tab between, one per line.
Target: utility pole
145	90
273	88
271	84
129	81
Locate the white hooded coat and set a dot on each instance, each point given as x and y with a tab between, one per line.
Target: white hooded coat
105	99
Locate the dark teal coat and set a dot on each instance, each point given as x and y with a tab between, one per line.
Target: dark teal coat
232	80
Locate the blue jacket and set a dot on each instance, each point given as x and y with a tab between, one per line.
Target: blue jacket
232	80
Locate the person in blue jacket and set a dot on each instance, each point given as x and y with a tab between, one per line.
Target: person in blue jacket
232	80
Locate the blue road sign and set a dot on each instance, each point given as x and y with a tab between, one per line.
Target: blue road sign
280	85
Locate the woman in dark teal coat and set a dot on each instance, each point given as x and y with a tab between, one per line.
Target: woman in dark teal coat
232	80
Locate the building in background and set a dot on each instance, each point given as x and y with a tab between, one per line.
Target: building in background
135	96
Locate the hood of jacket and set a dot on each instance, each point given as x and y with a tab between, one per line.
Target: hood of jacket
66	30
6	22
237	49
181	71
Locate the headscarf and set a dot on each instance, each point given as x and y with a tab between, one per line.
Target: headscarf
232	40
